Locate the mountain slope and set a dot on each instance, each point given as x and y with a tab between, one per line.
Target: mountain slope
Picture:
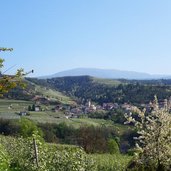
101	91
33	89
105	73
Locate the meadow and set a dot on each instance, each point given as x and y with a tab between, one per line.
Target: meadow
54	95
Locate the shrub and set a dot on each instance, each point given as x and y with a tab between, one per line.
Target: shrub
113	147
28	127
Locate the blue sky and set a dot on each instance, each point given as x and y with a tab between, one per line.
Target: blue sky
54	35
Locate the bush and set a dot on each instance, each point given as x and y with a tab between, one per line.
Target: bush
113	147
28	127
9	127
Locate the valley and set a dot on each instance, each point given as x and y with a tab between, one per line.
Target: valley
82	111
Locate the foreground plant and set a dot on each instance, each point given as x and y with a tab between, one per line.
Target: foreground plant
8	82
154	141
20	156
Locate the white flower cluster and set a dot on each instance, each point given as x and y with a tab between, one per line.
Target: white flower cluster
154	129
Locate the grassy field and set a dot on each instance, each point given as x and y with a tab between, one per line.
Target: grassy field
15	104
9	109
53	94
108	82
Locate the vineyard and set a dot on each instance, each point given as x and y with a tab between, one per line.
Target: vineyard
18	154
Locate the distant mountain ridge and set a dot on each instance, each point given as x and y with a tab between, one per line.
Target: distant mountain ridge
106	73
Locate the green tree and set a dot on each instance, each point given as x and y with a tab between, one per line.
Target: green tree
154	141
29	108
33	107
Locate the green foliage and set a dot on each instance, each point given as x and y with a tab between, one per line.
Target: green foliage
29	108
6	49
111	162
113	147
65	132
9	82
116	115
28	127
98	115
94	138
33	88
9	127
50	157
133	165
33	107
21	156
84	87
4	159
73	159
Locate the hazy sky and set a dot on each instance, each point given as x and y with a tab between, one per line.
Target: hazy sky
54	35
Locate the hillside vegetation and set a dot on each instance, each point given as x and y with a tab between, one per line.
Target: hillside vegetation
103	90
31	90
18	154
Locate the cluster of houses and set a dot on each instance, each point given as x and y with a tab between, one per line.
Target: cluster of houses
77	111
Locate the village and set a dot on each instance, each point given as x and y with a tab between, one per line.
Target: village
78	110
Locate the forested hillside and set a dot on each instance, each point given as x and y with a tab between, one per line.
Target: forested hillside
103	90
31	90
